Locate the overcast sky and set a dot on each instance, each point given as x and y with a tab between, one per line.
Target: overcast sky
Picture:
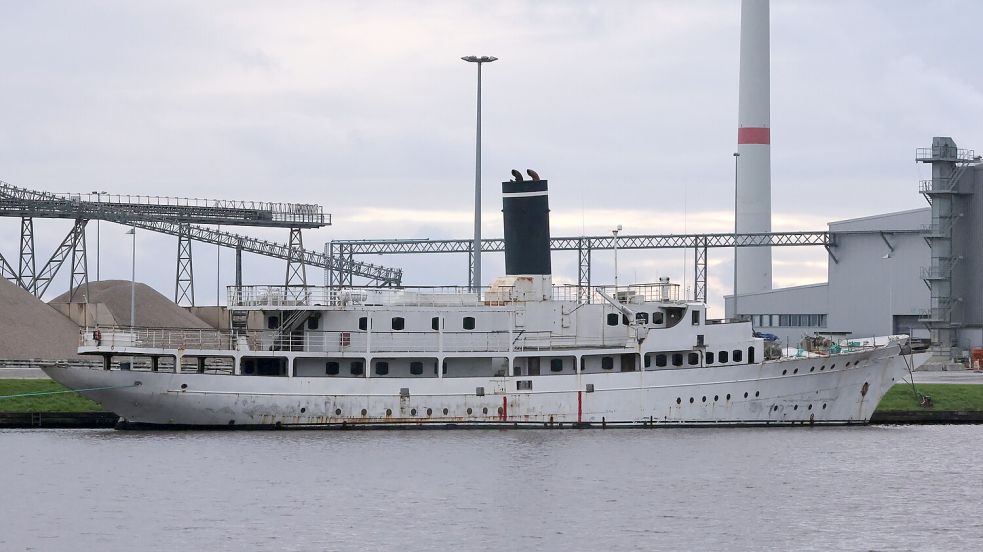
628	108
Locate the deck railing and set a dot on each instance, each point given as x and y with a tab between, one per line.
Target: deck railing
344	342
296	296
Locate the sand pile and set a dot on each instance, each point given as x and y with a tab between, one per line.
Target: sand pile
30	329
153	309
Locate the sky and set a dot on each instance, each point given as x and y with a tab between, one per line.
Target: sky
628	108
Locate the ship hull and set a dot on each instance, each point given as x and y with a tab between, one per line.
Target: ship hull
841	389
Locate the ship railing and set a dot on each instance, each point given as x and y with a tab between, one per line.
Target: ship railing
278	297
341	342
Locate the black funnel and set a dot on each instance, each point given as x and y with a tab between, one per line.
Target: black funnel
526	213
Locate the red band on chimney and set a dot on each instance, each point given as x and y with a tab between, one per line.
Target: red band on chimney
754	135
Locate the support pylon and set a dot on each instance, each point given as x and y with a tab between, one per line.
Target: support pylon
296	269
184	286
27	269
79	288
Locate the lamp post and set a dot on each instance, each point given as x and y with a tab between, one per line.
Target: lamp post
736	157
614	232
133	278
98	221
476	250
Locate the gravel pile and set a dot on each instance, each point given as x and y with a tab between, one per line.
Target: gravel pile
30	329
153	309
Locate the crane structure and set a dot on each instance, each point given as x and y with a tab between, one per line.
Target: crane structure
180	217
584	245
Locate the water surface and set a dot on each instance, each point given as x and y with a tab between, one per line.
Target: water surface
862	488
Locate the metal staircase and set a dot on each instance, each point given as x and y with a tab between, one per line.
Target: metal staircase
948	163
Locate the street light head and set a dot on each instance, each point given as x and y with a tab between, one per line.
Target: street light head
479	59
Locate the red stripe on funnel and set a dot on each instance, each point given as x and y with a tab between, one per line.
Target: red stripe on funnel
754	135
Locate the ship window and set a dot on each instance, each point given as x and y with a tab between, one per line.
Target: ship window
331	368
612	319
357	368
556	365
722	357
660	360
677	359
694	359
738	355
696	317
363	323
657	318
398	323
416	368
435	323
624	319
648	361
381	368
709	357
607	363
312	322
468	322
642	317
750	356
272	322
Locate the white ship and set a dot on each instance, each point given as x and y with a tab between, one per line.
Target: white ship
521	353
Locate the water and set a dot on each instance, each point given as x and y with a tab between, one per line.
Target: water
870	488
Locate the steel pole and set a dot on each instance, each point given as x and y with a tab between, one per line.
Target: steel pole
736	157
133	280
97	248
476	278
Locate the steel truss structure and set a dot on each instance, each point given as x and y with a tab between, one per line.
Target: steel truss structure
174	216
585	246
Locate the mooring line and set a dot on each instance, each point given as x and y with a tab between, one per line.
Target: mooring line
41	393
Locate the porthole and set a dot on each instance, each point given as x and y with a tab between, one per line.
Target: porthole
757	393
500	411
445	412
364	412
833	366
813	369
679	400
413	412
337	412
429	411
847	365
469	412
824	406
716	398
745	394
784	372
728	396
691	400
775	408
389	412
823	367
796	407
184	386
704	398
484	410
810	407
796	371
302	410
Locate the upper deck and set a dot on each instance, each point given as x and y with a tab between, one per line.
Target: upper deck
274	297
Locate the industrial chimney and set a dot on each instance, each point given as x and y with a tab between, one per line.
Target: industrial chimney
753	207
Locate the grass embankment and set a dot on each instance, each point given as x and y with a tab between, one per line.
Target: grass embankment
945	397
65	402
